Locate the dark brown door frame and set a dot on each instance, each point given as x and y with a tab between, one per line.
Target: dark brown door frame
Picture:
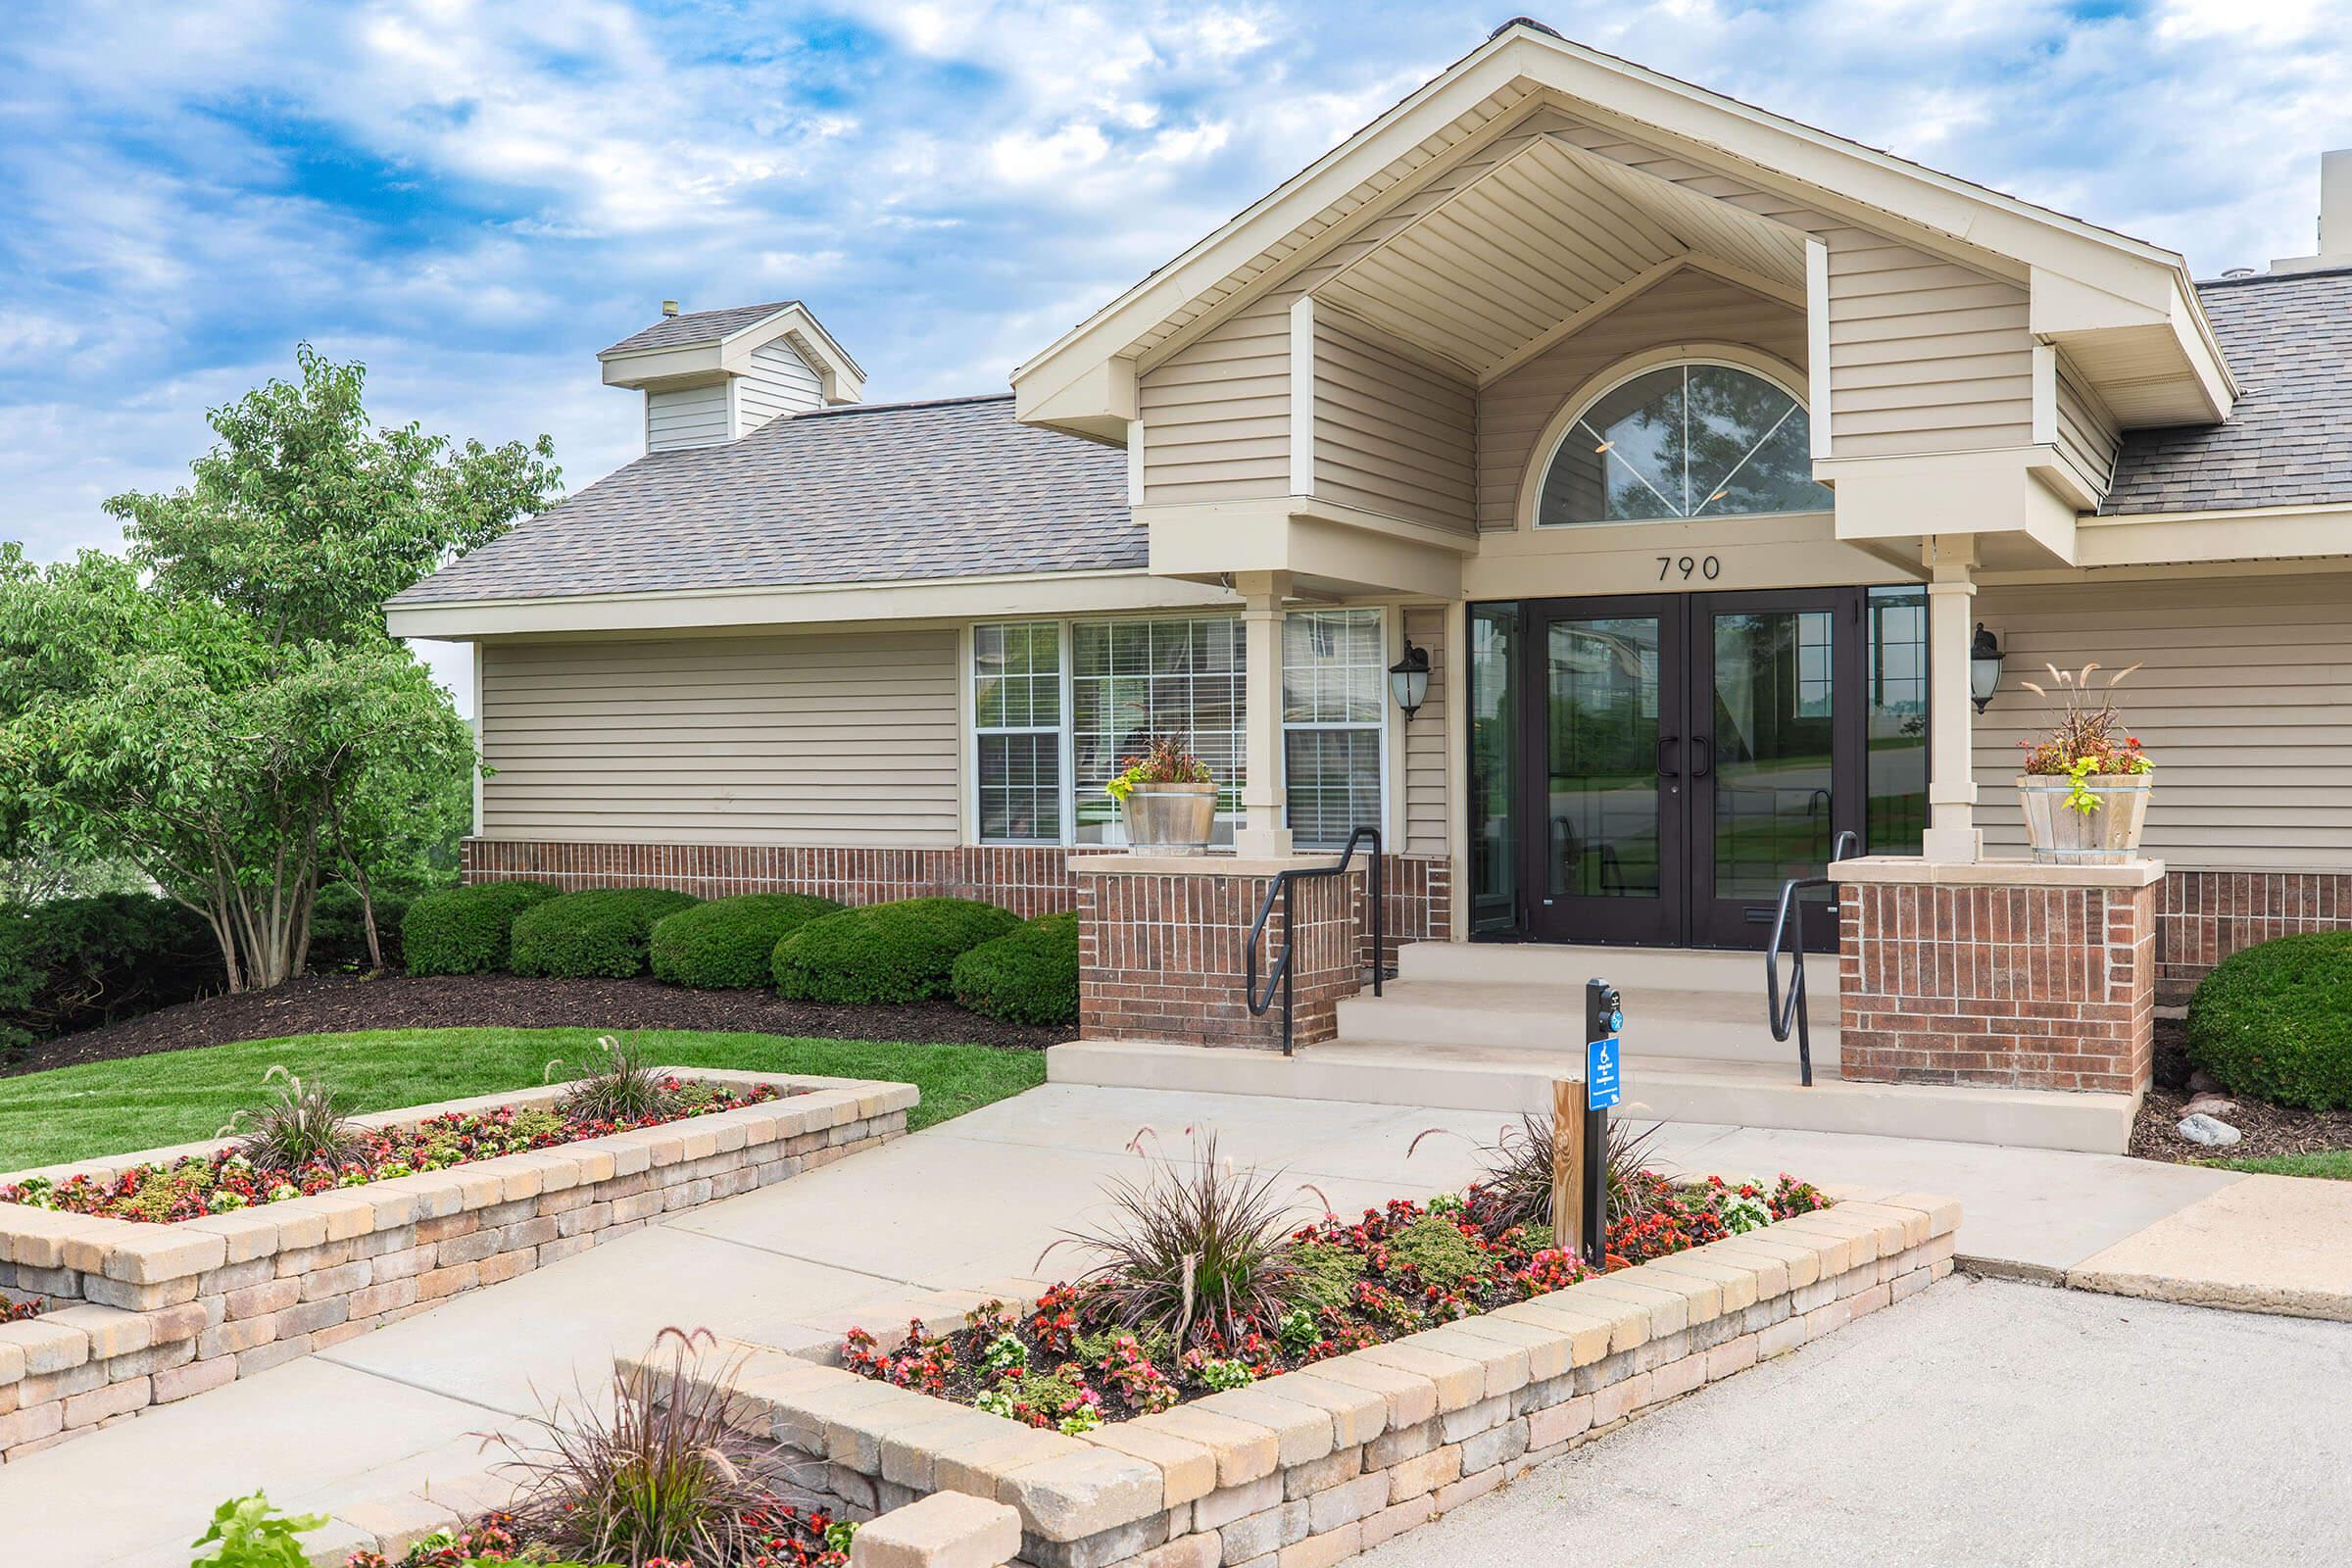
1685	914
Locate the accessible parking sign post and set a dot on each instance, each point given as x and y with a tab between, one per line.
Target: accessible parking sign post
1580	1121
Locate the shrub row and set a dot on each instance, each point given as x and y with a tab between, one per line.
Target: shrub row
812	950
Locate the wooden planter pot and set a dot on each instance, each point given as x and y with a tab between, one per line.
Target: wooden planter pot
2060	835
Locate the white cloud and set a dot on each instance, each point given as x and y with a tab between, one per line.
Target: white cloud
476	196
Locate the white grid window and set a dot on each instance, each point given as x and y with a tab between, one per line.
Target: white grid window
1334	679
1016	724
1135	681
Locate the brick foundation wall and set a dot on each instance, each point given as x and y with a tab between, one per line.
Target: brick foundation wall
2204	917
2012	987
1025	879
140	1315
1161	956
1309	1468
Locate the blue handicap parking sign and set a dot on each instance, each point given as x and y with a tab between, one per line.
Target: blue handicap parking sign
1602	1085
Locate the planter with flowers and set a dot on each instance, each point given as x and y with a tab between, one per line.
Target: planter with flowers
2086	781
1167	799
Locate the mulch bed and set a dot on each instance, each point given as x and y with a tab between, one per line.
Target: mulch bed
338	1004
2269	1129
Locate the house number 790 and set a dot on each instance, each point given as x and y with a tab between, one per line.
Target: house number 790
1689	567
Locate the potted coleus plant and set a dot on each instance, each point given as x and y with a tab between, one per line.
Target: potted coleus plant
1167	799
2086	781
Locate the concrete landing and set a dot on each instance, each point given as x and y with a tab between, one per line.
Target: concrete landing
1672	1089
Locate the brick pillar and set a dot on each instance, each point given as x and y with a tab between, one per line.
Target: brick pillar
1162	942
2008	974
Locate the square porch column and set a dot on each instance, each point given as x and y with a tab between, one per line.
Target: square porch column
1262	832
1952	836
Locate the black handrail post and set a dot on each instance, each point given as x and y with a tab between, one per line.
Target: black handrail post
1379	917
1795	1010
1280	970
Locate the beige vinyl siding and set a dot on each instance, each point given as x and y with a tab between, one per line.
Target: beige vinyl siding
1217	413
2087	436
1426	751
836	738
1924	356
2245	700
1390	435
777	383
686	416
1216	399
1685	307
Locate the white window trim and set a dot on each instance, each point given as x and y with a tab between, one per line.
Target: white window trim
967	768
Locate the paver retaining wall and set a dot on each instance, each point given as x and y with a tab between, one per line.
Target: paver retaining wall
142	1314
1308	1468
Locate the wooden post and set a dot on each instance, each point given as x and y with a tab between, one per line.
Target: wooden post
1568	1166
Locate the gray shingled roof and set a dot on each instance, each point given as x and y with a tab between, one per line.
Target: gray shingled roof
862	493
698	327
2288	442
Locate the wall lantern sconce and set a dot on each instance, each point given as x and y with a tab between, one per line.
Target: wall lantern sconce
1984	667
1408	679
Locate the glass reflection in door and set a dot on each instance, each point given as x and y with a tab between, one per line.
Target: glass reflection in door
1601	782
1774	742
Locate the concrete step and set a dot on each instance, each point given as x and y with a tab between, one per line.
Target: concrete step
1711	1025
1630	969
1510	1082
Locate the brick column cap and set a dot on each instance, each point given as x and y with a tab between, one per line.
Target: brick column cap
1913	870
1198	864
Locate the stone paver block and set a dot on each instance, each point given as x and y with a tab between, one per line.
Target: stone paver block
1245	1450
152	1253
113	1331
1595	1330
1303	1432
1461	1380
854	1436
1260	1535
1560	1422
946	1530
1080	1494
250	1236
1424	1473
115	1399
1348	1502
980	1467
1357	1414
48	1347
1506	1365
1735	1286
1187	1470
1411	1396
1548	1350
397	1522
197	1377
1669	1310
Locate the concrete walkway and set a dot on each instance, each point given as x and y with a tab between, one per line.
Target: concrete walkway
1979	1422
973	1200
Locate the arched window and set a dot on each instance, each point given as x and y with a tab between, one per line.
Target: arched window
1693	440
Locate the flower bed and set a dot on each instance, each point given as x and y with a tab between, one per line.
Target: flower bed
1067	1365
227	1179
142	1313
1313	1465
792	1538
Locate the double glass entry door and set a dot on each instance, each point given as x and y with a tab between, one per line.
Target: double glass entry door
1682	756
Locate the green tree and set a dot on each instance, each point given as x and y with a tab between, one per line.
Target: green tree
221	706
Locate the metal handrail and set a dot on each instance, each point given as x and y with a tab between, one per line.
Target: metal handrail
1783	1016
1280	973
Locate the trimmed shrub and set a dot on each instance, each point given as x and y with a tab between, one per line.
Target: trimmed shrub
1030	976
468	930
339	935
2275	1021
74	964
902	952
730	941
598	931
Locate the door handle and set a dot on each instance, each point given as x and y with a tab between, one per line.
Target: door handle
1665	741
1706	749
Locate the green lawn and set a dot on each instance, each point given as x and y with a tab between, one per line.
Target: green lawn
2334	1164
112	1107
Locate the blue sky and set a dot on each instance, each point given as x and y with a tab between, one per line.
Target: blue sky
474	198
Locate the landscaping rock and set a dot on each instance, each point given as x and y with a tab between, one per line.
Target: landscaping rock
2219	1106
2201	1082
2205	1130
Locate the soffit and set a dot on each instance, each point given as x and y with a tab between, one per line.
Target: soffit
1544	235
